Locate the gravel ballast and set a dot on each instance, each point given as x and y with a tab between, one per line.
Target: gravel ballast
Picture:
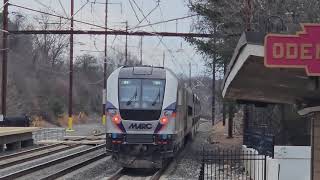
27	164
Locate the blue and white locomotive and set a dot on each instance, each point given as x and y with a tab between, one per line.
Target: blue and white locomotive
150	116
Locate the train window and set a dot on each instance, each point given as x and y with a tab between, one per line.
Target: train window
152	93
129	93
141	93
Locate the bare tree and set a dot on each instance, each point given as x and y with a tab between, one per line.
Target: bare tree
48	48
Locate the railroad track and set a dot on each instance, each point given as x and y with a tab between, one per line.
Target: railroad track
59	173
123	172
29	155
27	151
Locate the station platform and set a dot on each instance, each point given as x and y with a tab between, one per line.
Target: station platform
14	138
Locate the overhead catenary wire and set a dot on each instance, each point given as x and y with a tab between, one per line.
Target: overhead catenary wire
62	17
63	9
134	11
46	6
145	16
164	21
95	25
168	49
61	26
101	26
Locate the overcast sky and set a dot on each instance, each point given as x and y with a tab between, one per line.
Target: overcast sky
120	11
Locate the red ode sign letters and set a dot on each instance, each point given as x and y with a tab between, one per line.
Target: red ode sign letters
295	51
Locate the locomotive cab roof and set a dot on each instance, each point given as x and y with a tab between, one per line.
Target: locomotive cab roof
149	72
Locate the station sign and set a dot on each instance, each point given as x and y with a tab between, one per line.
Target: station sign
295	51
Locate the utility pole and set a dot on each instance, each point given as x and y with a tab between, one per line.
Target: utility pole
249	15
224	103
70	120
104	91
163	58
190	83
4	56
214	73
126	48
230	122
141	38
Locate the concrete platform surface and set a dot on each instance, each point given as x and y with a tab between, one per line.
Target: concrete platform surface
6	131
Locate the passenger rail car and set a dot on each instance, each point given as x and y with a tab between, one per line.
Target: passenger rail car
150	116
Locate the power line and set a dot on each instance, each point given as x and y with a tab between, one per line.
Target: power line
54	15
48	7
134	11
64	10
113	32
165	21
141	11
161	13
145	17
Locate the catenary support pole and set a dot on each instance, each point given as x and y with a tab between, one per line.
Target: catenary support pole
230	121
163	58
315	146
126	48
141	39
224	104
190	83
4	57
70	113
214	74
104	91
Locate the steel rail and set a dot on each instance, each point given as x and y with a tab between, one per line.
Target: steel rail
158	174
49	163
36	156
117	175
28	151
74	167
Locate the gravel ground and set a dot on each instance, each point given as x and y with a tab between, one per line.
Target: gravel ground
188	162
22	166
187	165
97	170
86	129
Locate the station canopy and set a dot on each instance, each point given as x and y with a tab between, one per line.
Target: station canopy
248	79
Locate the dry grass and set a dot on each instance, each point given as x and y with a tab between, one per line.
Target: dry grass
39	121
81	118
219	137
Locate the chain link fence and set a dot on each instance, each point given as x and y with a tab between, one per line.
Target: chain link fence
49	134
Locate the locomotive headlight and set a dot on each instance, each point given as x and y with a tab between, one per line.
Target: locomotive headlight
114	115
116	119
164	120
166	116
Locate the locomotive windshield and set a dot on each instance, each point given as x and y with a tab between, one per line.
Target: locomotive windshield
143	94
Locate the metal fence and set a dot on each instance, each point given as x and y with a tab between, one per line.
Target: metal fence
232	165
49	134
